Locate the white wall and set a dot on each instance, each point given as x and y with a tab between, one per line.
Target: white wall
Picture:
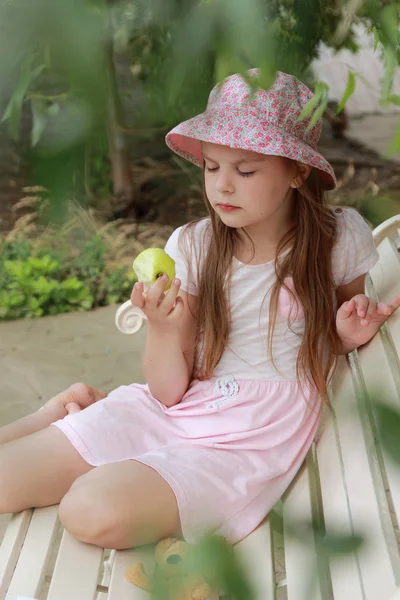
333	69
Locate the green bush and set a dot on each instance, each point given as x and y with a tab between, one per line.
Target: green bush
58	278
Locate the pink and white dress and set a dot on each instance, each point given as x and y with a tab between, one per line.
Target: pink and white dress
234	443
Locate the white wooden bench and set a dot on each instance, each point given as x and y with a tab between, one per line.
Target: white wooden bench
347	484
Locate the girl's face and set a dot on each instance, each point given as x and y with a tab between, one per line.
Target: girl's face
259	187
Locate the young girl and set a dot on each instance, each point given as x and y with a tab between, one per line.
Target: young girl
269	290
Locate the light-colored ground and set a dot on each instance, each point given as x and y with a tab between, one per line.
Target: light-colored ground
39	358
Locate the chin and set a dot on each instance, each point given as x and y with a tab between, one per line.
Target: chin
231	221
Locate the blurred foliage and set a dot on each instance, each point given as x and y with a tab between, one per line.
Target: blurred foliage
388	425
79	265
55	278
61	59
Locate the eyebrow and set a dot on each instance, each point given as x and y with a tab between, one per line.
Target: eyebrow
241	160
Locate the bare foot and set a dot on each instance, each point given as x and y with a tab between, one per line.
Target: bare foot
74	399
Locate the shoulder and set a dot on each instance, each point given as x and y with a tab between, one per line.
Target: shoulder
192	232
186	246
350	223
354	251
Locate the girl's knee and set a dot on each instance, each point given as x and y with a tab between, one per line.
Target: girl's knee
91	519
7	500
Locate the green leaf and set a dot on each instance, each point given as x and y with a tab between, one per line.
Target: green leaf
349	91
225	65
395	143
389	24
340	544
388	422
244	27
17	269
321	89
334	543
14	107
319	112
191	45
376	38
394	99
214	557
39	115
44	265
390	66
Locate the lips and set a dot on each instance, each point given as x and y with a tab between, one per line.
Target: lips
227	208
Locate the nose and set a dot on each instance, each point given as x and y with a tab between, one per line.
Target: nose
224	183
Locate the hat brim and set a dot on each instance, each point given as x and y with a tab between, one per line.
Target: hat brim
185	140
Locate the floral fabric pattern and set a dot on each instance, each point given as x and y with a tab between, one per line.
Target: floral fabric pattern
266	122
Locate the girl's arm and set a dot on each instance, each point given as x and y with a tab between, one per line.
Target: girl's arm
344	293
77	397
169	355
25	426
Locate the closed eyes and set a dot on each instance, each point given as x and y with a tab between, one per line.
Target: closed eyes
241	173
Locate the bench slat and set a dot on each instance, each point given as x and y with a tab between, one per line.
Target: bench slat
31	567
374	557
76	570
388	229
256	554
345	576
11	547
385	277
380	381
301	555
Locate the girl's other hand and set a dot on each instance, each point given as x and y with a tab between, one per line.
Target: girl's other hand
77	397
359	319
162	309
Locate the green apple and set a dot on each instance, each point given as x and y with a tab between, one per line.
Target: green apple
151	264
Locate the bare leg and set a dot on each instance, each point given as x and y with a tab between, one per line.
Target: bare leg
121	505
38	470
77	395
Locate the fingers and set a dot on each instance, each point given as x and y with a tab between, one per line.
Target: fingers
362	303
171	297
72	408
362	306
154	297
367	310
387	309
137	296
371	312
395	304
383	309
155	293
347	309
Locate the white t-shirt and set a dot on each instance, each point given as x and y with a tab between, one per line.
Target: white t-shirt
246	356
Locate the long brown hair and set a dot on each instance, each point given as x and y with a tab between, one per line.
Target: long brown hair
308	263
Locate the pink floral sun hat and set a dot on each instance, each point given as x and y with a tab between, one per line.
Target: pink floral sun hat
266	123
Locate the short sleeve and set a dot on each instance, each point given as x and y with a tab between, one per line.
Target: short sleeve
184	245
354	252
